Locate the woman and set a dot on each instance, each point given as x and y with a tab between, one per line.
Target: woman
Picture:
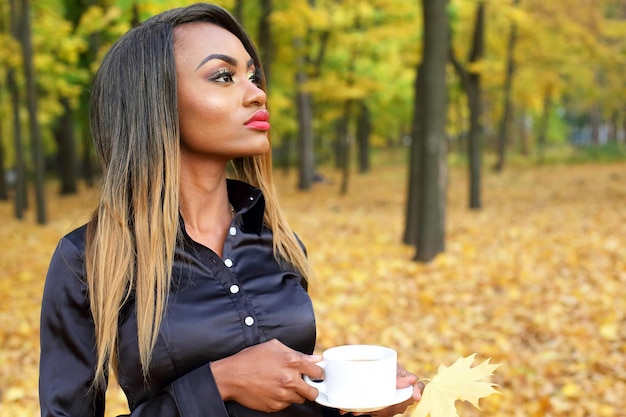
190	286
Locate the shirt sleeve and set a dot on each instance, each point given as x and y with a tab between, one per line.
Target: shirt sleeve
193	394
68	356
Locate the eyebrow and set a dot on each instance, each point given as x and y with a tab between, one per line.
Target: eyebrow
229	60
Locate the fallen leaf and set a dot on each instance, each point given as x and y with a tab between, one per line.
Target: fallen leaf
458	382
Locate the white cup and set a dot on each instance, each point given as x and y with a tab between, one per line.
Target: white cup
358	376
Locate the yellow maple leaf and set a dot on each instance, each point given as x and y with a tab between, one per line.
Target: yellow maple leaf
458	382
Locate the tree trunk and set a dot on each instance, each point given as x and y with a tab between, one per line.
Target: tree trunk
507	112
340	127
614	128
474	142
523	122
305	143
4	189
431	224
238	11
343	139
31	95
363	131
21	196
624	118
596	111
475	103
544	124
595	123
414	192
87	164
88	170
462	126
266	45
66	143
135	20
283	153
304	105
76	120
471	84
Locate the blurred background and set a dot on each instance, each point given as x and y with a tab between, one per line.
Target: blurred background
456	168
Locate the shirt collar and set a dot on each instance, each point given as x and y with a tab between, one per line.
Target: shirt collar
249	205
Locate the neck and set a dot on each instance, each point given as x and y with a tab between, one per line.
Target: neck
204	206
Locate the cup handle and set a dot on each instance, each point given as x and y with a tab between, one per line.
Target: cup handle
320	385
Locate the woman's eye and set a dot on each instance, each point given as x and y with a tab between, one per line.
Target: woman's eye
255	77
223	75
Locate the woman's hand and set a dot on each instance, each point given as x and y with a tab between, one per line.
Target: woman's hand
267	377
403	379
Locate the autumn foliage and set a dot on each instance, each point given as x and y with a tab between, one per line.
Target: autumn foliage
536	281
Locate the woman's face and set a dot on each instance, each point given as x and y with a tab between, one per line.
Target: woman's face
220	104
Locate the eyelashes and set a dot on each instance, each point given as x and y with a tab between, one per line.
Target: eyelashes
223	75
226	75
256	77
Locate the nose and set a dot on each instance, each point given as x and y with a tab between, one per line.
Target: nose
255	96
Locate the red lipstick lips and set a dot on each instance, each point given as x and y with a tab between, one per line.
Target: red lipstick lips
259	121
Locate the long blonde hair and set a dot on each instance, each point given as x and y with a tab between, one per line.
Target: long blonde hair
132	234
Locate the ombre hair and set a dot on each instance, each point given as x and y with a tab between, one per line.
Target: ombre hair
132	234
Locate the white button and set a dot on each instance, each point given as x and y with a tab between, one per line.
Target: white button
233	231
249	321
251	198
228	263
234	289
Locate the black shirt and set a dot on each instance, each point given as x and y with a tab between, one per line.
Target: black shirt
216	307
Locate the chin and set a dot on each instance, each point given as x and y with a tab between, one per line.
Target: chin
258	148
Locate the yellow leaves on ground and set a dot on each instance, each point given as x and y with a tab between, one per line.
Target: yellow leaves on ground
536	281
457	382
25	252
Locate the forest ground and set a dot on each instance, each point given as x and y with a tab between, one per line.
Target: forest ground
536	281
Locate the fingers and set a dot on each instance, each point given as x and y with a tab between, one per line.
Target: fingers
418	388
312	358
267	377
404	378
309	367
298	364
406	381
306	391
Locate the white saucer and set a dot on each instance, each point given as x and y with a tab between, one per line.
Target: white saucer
401	395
